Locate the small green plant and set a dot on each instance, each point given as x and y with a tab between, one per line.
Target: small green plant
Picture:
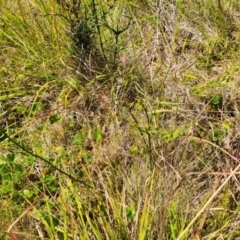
131	212
216	100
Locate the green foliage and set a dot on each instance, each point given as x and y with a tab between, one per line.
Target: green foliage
79	139
97	135
176	222
216	100
12	174
131	212
54	118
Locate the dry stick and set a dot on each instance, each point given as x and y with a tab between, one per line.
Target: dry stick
217	191
204	217
10	233
149	137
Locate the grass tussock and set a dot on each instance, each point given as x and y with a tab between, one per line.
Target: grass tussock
119	120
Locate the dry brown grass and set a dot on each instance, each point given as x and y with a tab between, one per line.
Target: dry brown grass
148	118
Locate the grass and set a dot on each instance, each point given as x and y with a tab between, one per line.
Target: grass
119	120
